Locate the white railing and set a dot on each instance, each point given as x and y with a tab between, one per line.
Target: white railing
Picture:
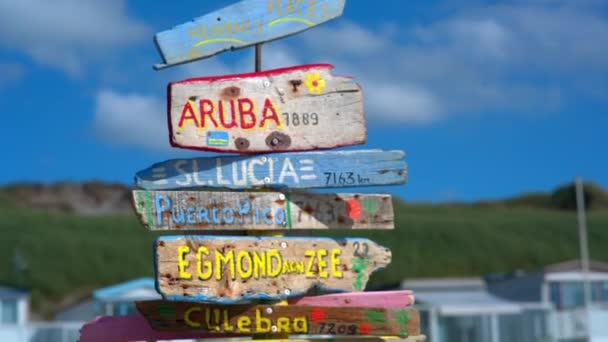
41	332
570	324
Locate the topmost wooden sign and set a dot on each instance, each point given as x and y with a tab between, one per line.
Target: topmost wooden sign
240	25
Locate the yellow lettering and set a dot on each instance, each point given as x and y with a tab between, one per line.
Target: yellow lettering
283	325
326	12
272	4
242	27
285	268
227	326
218	29
229	27
290	7
216	315
243	324
269	255
227	259
293	267
194	32
335	263
262	324
298	6
207	317
259	265
321	254
311	8
200	264
190	322
311	254
300	267
240	267
183	263
300	325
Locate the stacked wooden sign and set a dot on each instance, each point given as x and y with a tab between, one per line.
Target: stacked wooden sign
264	283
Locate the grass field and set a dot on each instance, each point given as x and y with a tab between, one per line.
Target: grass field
68	256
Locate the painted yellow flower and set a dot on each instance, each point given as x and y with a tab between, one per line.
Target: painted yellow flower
314	83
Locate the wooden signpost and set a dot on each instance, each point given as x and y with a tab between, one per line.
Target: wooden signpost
291	109
242	24
231	270
301	170
292	319
137	328
208	210
263	285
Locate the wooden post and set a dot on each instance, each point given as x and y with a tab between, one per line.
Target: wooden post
258	57
258	68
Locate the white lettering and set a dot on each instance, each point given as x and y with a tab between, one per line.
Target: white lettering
254	180
178	166
271	169
235	174
195	170
288	170
220	178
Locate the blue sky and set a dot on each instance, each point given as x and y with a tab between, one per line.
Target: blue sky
488	99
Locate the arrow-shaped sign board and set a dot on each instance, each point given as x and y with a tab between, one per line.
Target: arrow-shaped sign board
240	25
229	270
208	210
291	109
250	319
137	328
303	170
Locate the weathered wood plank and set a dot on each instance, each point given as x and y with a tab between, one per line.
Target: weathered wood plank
291	109
131	328
209	210
230	270
252	319
136	328
419	338
304	170
240	25
384	299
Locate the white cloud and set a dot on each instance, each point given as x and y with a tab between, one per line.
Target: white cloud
521	57
67	33
400	102
278	56
346	39
131	119
140	120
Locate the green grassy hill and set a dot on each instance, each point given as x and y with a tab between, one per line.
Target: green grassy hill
68	256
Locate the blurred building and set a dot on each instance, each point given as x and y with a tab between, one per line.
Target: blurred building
118	300
463	310
562	286
115	300
14	312
546	305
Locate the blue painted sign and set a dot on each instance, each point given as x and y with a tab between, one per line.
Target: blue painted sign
302	170
240	25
